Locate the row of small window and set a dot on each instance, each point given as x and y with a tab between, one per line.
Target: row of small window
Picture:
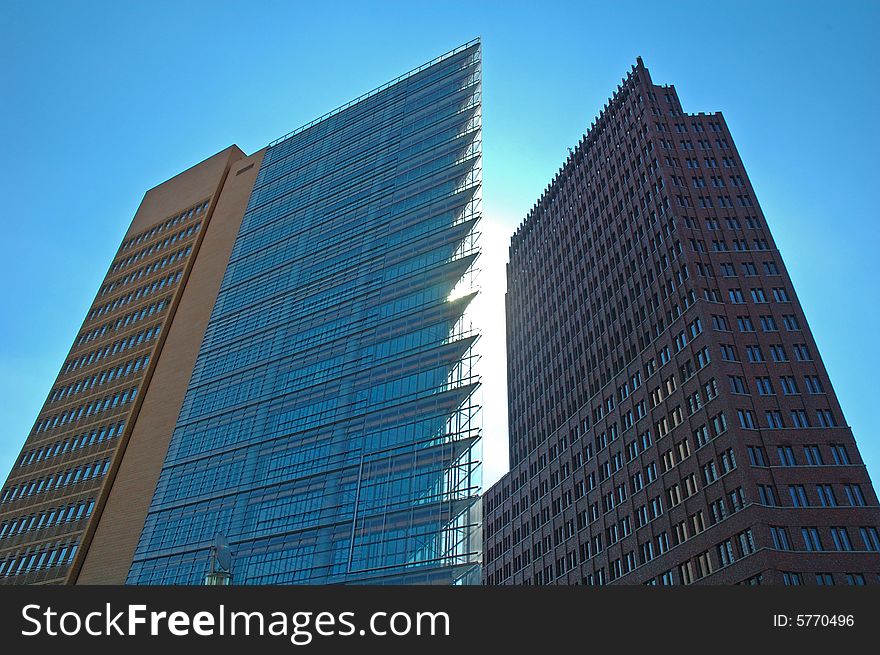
71	476
84	411
774	420
658	395
123	321
711	472
38	560
156	247
702	565
732	222
90	438
788	384
134	276
602	441
750	270
108	375
757	295
699	182
167	225
777	352
142	292
668	97
706	202
682	128
812	455
788	578
687	144
720	245
824	492
840	537
48	518
112	349
768	324
791	578
704	144
693	163
543	242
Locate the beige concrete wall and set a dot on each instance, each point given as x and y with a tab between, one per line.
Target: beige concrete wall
109	554
184	189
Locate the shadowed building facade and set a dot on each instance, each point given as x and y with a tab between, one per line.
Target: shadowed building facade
314	401
671	421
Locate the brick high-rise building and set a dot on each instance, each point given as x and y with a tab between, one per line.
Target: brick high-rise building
135	348
280	353
671	421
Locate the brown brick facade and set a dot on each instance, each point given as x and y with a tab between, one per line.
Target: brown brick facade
660	369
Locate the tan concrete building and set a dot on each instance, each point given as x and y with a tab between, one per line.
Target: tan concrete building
75	501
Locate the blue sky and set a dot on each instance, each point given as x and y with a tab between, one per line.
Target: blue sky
102	101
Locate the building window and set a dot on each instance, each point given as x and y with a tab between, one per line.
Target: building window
812	541
826	495
790	579
767	494
754	354
780	538
825	579
757	456
826	418
799	418
854	495
737	384
798	495
813	455
774	419
813	384
746	418
840	536
746	543
870	538
786	456
838	452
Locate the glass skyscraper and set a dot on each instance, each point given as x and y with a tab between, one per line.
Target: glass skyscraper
330	429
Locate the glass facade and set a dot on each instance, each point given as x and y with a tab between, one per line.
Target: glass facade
331	429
